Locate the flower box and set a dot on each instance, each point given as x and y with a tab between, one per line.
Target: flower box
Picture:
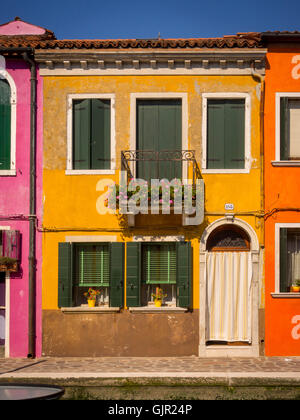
7	264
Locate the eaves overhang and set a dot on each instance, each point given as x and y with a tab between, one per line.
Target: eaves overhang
150	61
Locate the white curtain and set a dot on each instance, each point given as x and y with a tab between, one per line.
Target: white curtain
295	266
228	279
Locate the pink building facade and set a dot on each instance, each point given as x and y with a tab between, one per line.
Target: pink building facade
20	125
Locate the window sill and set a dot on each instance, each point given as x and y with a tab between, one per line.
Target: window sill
87	309
154	309
225	171
90	172
8	172
286	295
285	162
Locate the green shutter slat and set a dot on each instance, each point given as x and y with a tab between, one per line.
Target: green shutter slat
284	138
184	274
5	125
283	261
117	274
133	274
159	263
234	134
81	134
65	273
100	134
92	265
215	134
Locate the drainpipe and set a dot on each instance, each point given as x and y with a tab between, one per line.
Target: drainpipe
261	79
32	214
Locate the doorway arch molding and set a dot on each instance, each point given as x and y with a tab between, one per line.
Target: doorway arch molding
230	351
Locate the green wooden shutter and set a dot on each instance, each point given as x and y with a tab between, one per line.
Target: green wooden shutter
226	134
133	278
159	128
234	134
65	273
159	263
81	134
5	125
92	265
215	134
283	261
100	134
284	138
170	137
116	274
184	274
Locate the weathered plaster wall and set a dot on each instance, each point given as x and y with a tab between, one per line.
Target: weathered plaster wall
14	200
70	201
282	186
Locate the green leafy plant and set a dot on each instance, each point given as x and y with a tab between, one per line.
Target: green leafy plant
165	192
92	294
159	294
8	262
296	282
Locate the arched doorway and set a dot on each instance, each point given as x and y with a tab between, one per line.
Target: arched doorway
228	289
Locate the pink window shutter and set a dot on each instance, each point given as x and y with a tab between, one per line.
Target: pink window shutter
11	244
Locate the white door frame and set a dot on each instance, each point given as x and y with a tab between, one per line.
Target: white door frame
7	306
219	350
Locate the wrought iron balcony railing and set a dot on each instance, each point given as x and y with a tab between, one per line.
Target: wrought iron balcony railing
169	164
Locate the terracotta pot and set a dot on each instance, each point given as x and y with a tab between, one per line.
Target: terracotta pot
295	289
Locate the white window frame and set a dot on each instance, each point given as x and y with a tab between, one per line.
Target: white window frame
93	239
70	170
278	161
161	95
227	95
277	292
151	308
13	124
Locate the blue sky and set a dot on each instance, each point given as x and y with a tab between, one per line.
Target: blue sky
140	19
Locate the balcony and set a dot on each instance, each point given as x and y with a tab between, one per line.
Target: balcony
165	164
168	164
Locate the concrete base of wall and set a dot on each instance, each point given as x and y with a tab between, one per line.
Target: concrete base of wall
172	389
120	334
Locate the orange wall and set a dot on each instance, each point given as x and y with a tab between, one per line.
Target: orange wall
282	191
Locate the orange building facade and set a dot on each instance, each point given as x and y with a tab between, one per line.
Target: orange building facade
282	194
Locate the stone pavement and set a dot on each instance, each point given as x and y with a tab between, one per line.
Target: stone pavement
155	367
160	378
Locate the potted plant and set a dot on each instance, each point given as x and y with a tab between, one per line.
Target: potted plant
8	264
295	287
158	297
91	296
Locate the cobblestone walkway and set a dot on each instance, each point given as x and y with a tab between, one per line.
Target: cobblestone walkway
163	365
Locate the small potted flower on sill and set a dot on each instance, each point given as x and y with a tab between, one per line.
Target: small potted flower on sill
8	264
91	296
158	297
295	287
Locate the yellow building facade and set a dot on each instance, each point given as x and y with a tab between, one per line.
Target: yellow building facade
204	90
